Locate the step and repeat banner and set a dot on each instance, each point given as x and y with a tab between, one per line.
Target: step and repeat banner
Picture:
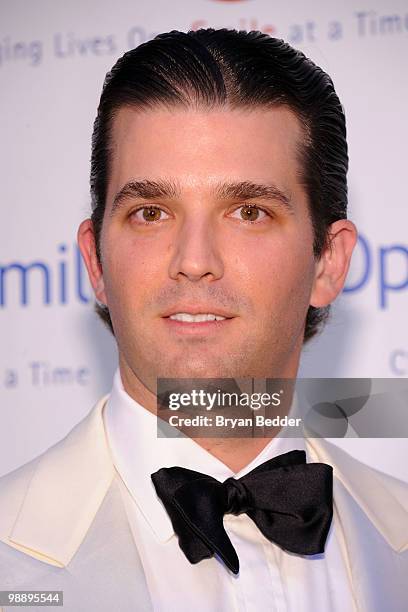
57	359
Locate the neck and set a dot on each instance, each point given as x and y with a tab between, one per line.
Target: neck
235	453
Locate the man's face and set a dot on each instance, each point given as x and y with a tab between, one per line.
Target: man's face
194	234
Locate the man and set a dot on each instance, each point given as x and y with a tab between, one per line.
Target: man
219	188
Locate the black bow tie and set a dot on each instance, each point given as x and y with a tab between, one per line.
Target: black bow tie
289	500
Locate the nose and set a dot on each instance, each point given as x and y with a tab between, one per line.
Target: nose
196	253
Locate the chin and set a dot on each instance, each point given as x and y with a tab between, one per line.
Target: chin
198	369
205	370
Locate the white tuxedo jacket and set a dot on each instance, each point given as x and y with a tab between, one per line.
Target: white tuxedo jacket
63	526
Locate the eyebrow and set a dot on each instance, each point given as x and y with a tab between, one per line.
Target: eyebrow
247	190
162	188
146	189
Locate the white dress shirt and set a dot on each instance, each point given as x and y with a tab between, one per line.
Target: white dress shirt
269	577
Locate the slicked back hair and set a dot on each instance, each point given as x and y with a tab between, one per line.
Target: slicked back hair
208	69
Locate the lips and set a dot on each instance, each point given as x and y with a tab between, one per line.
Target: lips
195	310
186	317
202	321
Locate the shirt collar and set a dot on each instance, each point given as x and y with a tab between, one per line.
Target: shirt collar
137	452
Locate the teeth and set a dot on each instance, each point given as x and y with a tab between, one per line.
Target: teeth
198	318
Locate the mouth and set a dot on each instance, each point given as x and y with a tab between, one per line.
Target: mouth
187	322
186	317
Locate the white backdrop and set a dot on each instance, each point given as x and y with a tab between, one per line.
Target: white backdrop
56	357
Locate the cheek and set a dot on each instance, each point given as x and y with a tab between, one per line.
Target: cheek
276	268
130	271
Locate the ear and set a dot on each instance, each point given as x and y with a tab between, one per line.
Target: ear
87	245
334	263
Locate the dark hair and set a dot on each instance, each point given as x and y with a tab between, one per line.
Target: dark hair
211	68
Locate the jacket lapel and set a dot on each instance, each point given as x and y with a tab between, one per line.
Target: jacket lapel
382	498
371	520
65	492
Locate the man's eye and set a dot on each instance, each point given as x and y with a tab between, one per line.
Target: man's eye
148	214
249	212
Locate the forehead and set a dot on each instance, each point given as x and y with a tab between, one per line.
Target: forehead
200	148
